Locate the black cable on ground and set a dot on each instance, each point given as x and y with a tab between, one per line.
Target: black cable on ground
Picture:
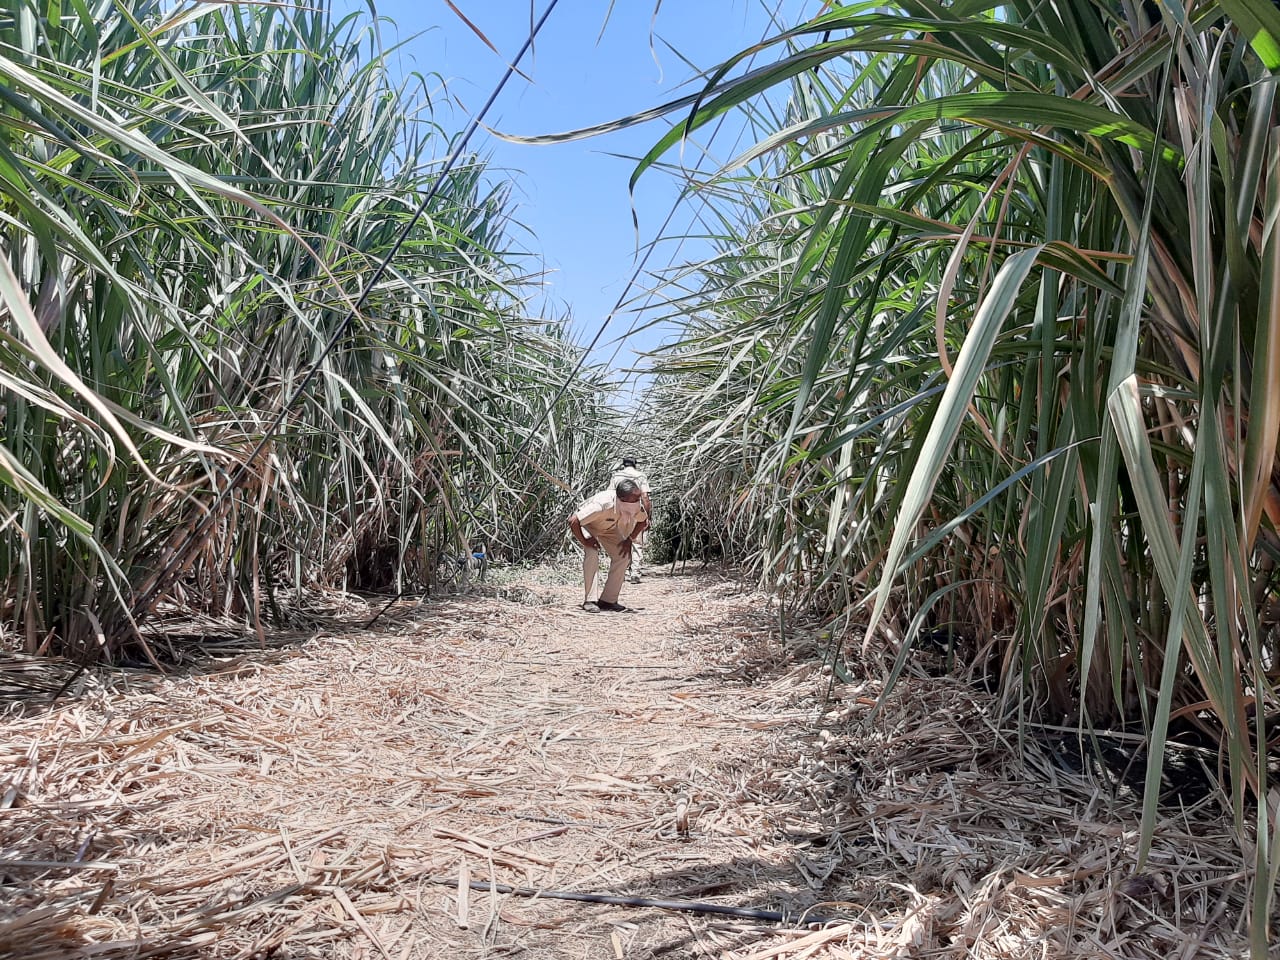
659	903
180	557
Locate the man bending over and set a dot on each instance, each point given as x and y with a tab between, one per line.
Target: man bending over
610	520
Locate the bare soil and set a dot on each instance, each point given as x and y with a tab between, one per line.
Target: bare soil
340	796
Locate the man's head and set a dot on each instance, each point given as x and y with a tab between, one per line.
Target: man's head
628	491
628	461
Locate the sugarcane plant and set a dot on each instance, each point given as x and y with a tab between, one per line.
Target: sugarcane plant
194	197
994	344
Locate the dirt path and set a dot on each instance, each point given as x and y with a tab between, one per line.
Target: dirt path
336	800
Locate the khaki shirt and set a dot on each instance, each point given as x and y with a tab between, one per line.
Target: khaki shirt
600	515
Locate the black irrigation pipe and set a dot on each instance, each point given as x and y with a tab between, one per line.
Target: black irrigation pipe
179	558
378	616
688	906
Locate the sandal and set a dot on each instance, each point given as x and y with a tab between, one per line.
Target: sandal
611	607
591	607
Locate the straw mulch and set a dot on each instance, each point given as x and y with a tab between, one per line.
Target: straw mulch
338	799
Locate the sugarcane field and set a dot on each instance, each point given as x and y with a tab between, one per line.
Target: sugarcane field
750	479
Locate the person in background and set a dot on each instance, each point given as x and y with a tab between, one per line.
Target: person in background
629	471
609	520
479	559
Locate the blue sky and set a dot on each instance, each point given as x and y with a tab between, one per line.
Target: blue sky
590	64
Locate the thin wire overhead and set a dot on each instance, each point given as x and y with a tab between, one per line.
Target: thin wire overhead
622	298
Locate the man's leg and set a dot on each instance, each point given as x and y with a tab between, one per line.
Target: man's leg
637	556
617	568
590	566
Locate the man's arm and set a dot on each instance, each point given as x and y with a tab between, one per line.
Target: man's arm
640	527
643	483
588	542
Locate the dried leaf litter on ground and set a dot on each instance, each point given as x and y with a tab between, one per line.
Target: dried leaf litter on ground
339	801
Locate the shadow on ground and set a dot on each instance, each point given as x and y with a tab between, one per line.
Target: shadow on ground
210	646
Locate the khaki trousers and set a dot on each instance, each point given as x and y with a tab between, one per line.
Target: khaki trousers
611	543
637	556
